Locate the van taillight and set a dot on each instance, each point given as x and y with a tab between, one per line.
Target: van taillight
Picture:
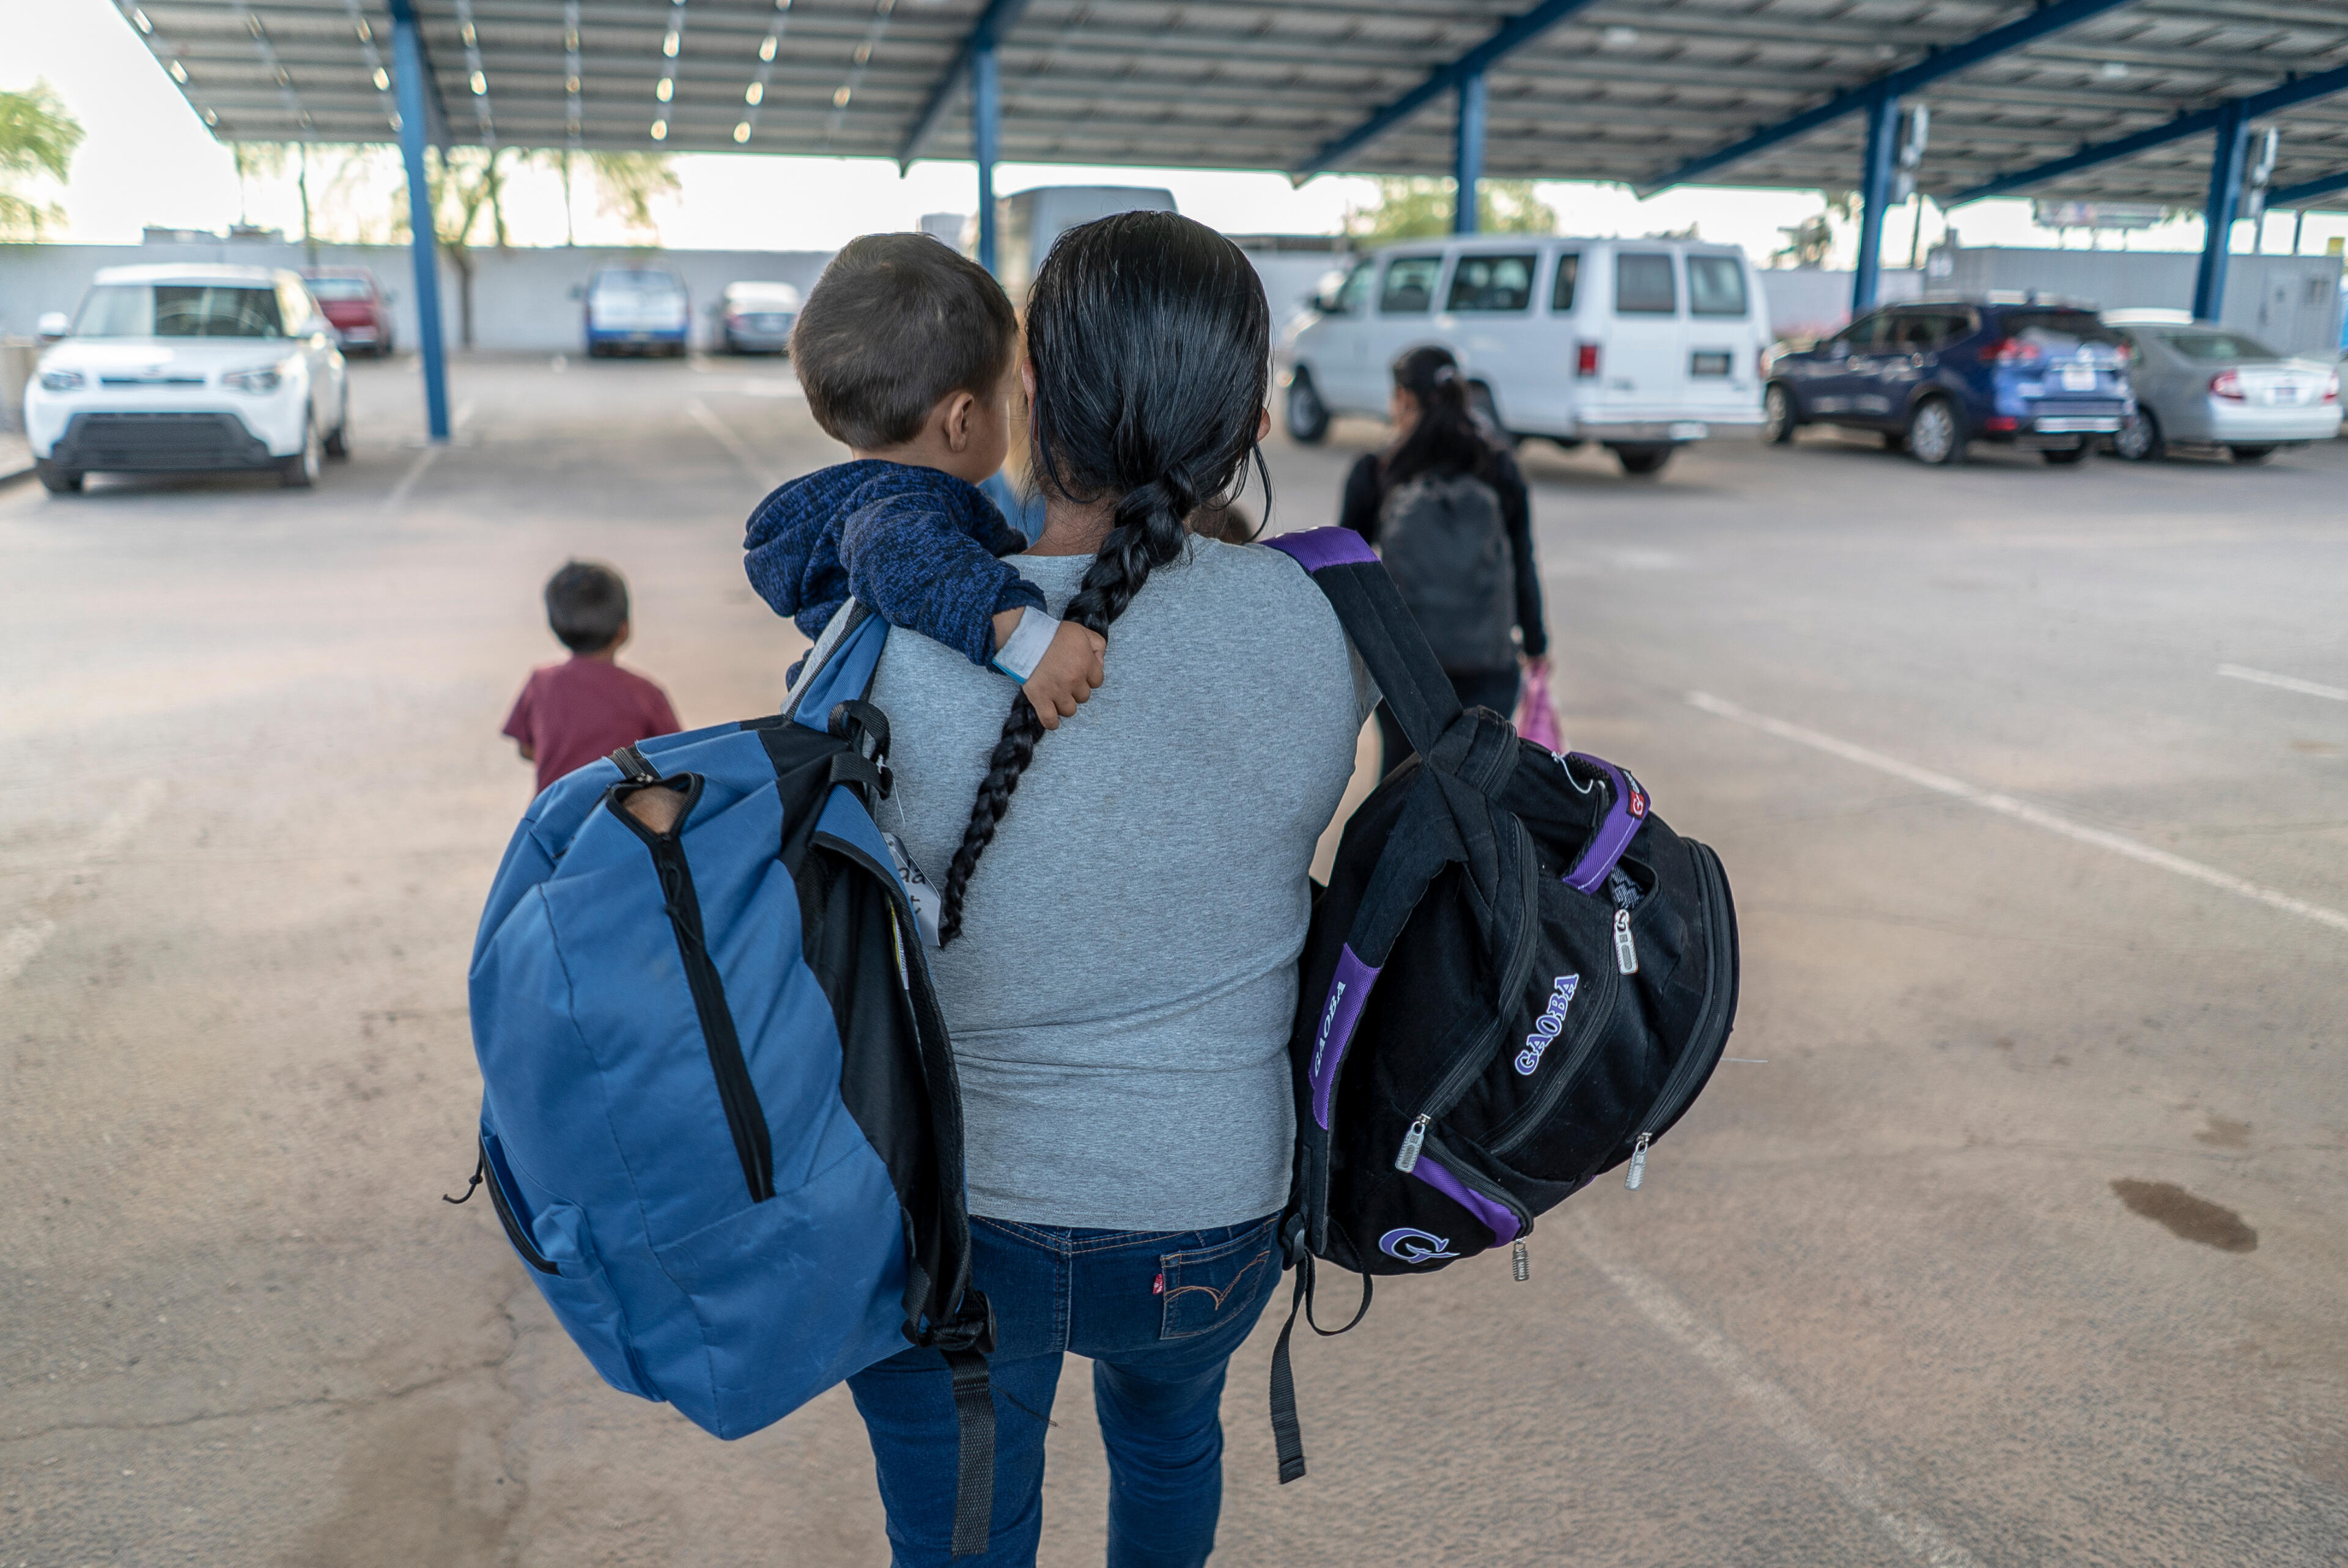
1586	362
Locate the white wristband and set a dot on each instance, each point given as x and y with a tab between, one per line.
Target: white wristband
1019	655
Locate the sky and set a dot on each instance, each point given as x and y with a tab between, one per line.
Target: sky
148	159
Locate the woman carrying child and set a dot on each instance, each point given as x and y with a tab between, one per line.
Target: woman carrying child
1122	986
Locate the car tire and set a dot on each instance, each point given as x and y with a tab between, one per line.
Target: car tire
1778	420
1480	405
2064	456
1304	412
1936	433
56	481
1641	461
300	471
2251	454
2137	440
338	440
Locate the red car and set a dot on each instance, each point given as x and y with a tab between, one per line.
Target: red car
357	305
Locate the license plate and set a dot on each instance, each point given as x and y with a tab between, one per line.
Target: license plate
2083	426
1689	430
2286	395
2078	378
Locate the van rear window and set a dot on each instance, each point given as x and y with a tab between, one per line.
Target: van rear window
1715	286
1643	284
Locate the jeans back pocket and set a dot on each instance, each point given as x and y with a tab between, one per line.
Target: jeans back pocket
1205	1289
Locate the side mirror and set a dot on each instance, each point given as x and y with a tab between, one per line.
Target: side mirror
53	325
1325	303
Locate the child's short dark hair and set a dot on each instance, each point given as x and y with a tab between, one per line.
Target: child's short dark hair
896	322
586	604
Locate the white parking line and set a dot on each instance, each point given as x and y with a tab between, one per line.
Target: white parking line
736	447
399	496
2284	682
2023	811
1780	1411
23	942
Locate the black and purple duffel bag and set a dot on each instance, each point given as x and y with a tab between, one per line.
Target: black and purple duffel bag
1517	979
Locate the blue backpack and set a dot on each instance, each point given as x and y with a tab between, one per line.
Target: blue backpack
719	1118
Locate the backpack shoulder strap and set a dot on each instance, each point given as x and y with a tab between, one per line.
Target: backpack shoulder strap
840	667
1371	610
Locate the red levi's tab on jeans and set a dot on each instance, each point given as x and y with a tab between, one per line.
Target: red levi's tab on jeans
571	713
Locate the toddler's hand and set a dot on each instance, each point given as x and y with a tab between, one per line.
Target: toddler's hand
1067	674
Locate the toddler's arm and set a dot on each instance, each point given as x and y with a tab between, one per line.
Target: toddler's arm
1065	666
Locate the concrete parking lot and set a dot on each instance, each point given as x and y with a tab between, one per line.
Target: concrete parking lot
2017	1239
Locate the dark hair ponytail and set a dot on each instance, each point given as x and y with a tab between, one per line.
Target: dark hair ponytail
1446	440
1151	344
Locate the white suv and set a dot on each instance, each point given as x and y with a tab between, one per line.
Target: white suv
1640	345
172	369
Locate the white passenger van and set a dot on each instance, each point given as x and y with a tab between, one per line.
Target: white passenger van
1640	345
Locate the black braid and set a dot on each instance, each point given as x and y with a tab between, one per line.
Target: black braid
1148	335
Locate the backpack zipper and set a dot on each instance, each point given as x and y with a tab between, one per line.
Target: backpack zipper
1684	1071
745	1119
1469	1064
512	1222
1513	1131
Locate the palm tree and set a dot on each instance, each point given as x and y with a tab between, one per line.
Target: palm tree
37	136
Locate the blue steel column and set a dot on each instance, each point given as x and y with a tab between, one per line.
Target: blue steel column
407	53
2218	212
1468	154
985	141
1874	195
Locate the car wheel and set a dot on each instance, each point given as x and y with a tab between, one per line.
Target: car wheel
300	471
1306	416
338	443
2064	456
2137	440
2251	454
1643	459
1777	421
1934	435
56	481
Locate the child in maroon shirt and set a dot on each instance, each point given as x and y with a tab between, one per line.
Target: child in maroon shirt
569	715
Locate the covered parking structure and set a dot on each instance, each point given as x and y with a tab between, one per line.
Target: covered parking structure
2141	100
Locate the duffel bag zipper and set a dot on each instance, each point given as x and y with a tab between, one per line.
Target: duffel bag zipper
1519	1252
1684	1071
1469	1064
746	1119
506	1217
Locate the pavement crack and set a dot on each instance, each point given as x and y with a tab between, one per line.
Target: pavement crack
340	1401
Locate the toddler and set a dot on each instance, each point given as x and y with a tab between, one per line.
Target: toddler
587	707
907	351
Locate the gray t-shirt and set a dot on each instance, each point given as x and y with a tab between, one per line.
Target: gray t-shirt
1121	996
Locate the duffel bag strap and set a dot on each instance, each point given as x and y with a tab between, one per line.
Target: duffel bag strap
1287	1435
1370	608
965	1342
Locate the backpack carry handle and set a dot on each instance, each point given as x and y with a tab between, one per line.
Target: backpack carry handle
1371	610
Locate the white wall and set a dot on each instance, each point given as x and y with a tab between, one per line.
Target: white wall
2289	303
522	298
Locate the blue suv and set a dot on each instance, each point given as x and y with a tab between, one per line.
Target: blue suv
1933	378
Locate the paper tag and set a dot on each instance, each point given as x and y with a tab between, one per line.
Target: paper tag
928	903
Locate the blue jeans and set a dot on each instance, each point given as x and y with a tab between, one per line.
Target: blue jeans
1159	1312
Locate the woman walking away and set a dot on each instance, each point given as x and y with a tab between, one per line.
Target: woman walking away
1119	966
1446	505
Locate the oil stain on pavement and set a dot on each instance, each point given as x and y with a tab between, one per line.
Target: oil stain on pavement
2195	1219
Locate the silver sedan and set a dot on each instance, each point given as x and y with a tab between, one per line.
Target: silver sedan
2198	385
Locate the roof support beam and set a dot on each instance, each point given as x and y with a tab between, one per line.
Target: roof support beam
985	142
2307	190
1510	37
408	56
1467	155
2015	35
1875	196
2217	213
436	113
993	25
2290	95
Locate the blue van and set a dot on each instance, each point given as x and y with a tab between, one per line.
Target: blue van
1935	377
